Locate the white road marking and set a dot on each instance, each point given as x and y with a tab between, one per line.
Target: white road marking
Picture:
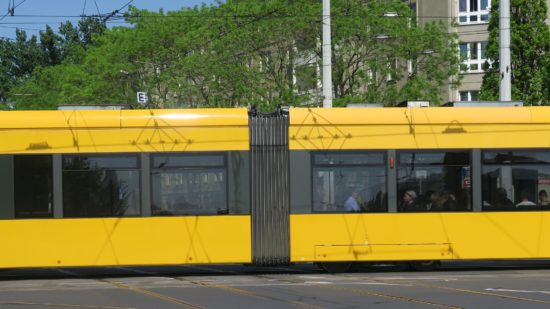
415	278
380	283
314	277
518	291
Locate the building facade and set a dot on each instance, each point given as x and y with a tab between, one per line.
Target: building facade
472	17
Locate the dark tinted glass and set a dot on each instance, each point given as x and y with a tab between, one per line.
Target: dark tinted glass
434	181
194	187
99	162
101	186
473	5
161	161
516	187
349	182
516	157
33	186
435	158
342	158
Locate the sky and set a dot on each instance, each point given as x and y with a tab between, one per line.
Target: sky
33	15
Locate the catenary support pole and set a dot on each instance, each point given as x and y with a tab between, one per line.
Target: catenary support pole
327	56
505	93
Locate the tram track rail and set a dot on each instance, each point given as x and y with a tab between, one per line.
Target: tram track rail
282	288
356	291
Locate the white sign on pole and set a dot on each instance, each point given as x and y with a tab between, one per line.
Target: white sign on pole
142	97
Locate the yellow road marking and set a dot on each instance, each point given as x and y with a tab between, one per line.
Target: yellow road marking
252	294
156	295
21	303
389	296
483	293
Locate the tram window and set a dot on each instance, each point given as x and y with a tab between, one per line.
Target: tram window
349	182
516	180
238	177
33	186
505	157
101	185
434	181
189	184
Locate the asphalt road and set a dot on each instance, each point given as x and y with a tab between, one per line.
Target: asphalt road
488	284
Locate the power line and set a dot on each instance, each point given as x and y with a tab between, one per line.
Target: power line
97	7
11	11
84	8
31	29
249	16
113	13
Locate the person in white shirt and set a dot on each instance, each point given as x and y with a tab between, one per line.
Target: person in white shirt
525	200
351	203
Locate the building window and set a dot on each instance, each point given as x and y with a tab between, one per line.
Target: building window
392	70
33	186
349	182
473	11
516	180
468	96
101	185
189	184
434	181
306	78
472	57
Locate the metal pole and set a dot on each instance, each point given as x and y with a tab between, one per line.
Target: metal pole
505	93
327	56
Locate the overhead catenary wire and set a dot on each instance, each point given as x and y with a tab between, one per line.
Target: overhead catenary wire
12	9
84	9
97	7
113	13
333	15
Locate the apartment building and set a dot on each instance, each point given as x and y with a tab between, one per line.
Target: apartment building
472	17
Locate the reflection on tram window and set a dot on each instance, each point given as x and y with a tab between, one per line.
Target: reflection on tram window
349	182
189	184
434	181
516	180
101	185
33	186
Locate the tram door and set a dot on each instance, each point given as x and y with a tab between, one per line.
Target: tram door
270	188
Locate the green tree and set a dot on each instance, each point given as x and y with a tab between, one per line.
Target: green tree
530	53
378	59
248	52
18	59
51	46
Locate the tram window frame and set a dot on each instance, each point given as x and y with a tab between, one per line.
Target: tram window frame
444	195
25	183
382	206
508	194
224	210
107	170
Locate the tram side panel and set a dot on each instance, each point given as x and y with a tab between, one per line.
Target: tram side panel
47	225
391	235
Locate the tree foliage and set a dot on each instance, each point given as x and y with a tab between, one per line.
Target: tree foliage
245	52
530	53
23	60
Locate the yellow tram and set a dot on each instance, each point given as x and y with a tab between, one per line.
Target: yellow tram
162	187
